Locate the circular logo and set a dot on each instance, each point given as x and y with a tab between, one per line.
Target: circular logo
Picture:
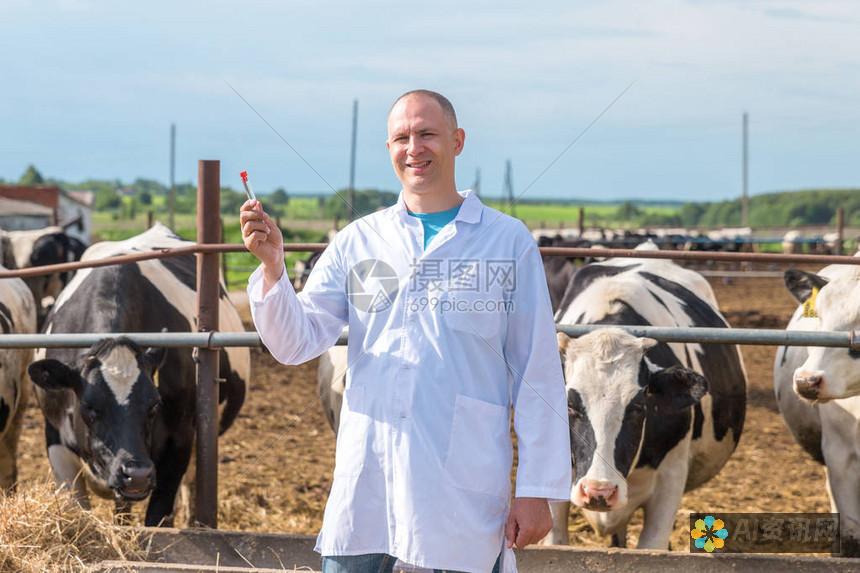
372	285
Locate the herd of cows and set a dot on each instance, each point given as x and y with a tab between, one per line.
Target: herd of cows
648	420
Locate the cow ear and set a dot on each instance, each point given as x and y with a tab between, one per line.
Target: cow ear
676	388
801	283
154	357
50	374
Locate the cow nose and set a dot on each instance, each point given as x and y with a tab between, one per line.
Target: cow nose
136	476
808	384
600	494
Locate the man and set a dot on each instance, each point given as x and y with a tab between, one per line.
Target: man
449	327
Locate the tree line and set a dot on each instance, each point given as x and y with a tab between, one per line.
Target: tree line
778	209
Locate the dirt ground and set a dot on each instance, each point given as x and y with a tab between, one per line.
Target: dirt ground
276	461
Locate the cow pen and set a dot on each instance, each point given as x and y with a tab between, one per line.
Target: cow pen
207	340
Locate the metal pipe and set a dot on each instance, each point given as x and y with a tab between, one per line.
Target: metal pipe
552	251
214	340
208	286
746	336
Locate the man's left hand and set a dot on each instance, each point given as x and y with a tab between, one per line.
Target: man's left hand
528	522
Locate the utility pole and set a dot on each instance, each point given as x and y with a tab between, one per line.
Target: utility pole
509	187
477	185
351	214
171	198
745	199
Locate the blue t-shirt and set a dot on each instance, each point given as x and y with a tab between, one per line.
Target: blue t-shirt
433	222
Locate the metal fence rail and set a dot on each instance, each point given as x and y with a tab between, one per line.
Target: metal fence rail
745	336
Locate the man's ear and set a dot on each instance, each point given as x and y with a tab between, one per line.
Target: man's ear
801	283
676	388
50	374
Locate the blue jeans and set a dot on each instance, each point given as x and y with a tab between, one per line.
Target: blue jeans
373	563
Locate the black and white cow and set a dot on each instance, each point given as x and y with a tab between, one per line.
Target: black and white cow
40	247
120	416
18	316
648	420
818	389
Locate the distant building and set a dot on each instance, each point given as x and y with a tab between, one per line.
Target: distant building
34	207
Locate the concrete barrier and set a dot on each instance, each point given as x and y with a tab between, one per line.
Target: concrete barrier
208	551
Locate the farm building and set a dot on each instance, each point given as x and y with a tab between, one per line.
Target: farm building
34	207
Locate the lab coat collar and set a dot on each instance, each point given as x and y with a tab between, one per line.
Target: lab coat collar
470	211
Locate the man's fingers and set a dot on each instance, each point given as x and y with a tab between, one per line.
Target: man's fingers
524	537
252	226
259	237
510	530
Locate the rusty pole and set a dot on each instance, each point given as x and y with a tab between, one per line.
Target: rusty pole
581	221
149	219
840	230
208	231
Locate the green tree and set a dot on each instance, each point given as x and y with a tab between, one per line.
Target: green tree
145	198
279	197
627	211
31	176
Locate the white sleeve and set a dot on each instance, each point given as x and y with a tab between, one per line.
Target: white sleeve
538	394
297	328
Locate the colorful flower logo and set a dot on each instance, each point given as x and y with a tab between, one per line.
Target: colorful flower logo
709	534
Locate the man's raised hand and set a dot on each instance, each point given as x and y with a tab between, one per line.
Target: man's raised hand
262	238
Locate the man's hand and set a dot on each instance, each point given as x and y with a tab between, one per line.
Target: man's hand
263	238
528	522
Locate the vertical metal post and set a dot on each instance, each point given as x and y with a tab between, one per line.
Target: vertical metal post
509	188
171	198
351	213
840	230
208	231
149	219
745	199
581	221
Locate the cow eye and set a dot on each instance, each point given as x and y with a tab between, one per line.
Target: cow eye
854	353
89	414
154	409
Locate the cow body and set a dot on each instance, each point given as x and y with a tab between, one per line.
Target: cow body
17	316
649	420
119	416
40	247
818	389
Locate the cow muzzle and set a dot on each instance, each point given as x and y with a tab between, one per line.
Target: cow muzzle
596	495
135	480
809	384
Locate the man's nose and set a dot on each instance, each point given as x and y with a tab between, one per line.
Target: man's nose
413	146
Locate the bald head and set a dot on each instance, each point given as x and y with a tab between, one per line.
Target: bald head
443	102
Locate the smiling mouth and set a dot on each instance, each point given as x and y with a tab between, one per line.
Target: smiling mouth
418	165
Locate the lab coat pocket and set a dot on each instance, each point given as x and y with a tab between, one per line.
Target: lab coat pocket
352	433
479	453
473	312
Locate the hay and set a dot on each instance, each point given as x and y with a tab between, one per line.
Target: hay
45	530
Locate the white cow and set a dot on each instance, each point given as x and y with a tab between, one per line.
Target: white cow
17	315
818	389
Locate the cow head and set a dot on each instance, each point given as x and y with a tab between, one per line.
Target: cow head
114	411
611	389
827	373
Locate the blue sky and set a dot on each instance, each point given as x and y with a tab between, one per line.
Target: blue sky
90	89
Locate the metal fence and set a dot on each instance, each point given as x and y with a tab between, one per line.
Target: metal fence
208	340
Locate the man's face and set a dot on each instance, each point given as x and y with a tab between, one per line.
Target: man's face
423	142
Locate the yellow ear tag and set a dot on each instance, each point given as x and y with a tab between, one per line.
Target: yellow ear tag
809	305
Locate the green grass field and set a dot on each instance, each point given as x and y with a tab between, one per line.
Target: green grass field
239	265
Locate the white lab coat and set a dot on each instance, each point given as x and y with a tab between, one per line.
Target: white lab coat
442	344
